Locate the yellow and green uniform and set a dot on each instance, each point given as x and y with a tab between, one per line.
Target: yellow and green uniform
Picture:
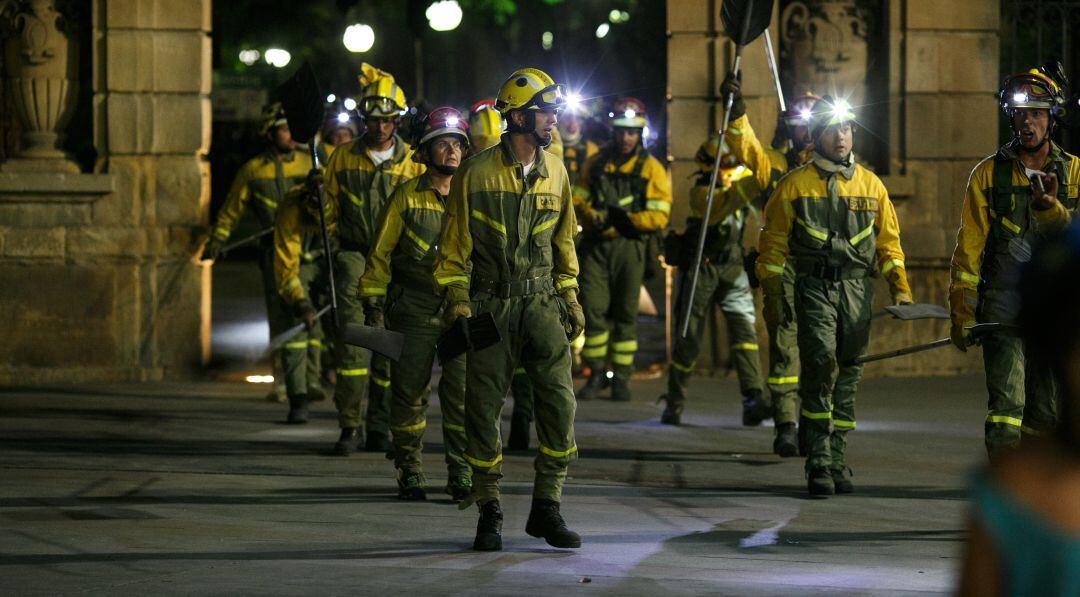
837	227
612	266
261	185
769	166
575	156
507	246
722	280
997	230
399	268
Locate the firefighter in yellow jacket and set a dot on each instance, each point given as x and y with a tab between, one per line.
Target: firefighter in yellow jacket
260	186
507	248
832	218
397	289
791	147
359	179
622	178
1014	197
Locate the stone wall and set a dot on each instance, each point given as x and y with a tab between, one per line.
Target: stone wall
97	270
943	72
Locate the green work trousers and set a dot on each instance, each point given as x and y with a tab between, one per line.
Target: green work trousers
725	284
352	366
416	315
610	279
534	337
783	377
302	355
277	316
1023	394
833	327
521	390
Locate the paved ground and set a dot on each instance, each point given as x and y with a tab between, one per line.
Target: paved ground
198	488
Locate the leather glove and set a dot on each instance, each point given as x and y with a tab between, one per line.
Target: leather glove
610	232
961	338
306	313
903	299
575	323
212	250
731	86
774	306
456	310
373	312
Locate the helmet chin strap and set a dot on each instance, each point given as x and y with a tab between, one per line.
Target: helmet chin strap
529	128
444	169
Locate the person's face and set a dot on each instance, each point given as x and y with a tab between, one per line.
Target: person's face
339	136
1031	126
571	125
380	130
447	151
800	135
835	142
282	139
546	120
626	140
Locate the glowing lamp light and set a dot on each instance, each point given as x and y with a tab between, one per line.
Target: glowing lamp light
331	98
350	103
610	374
1019	98
602	30
259	379
618	16
629	114
249	57
343	117
277	57
547	40
358	38
444	15
452	121
573	101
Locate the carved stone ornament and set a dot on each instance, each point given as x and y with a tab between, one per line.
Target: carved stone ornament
826	48
40	66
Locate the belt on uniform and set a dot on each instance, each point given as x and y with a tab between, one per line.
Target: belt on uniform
505	289
833	274
349	245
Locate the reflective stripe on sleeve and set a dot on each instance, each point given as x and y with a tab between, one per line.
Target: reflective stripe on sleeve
655	205
890	264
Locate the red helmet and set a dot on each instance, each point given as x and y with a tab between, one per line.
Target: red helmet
445	121
628	112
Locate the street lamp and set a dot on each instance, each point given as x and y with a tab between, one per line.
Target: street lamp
277	57
249	57
602	30
444	15
358	38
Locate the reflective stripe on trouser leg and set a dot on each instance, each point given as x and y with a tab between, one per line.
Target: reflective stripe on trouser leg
737	304
545	355
378	413
452	406
521	390
408	385
1003	361
352	371
594	297
627	259
294	365
783	379
817	318
853	340
685	354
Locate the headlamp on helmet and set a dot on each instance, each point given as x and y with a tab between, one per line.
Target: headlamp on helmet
1030	90
628	112
273	115
828	112
800	111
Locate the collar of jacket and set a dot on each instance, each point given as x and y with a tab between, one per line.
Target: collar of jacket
287	157
824	164
1009	150
361	148
509	159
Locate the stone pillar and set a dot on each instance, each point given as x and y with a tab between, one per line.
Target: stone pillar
100	268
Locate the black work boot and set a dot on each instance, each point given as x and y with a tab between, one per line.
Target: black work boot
489	527
842	482
755	409
672	414
377	441
820	482
411	486
520	425
546	522
592	386
298	412
786	443
620	388
348	441
458	487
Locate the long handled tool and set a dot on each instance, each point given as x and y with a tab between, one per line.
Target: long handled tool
978	333
744	21
302	99
247	239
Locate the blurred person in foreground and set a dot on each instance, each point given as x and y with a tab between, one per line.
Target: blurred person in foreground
1025	520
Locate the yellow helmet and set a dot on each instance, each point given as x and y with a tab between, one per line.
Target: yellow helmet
530	89
380	95
273	115
706	155
485	125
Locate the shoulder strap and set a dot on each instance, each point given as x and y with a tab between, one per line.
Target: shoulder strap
1001	201
639	165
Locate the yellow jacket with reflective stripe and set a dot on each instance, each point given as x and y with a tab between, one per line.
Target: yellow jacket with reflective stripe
361	189
767	164
501	226
575	156
797	222
976	218
296	226
263	183
650	212
406	240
